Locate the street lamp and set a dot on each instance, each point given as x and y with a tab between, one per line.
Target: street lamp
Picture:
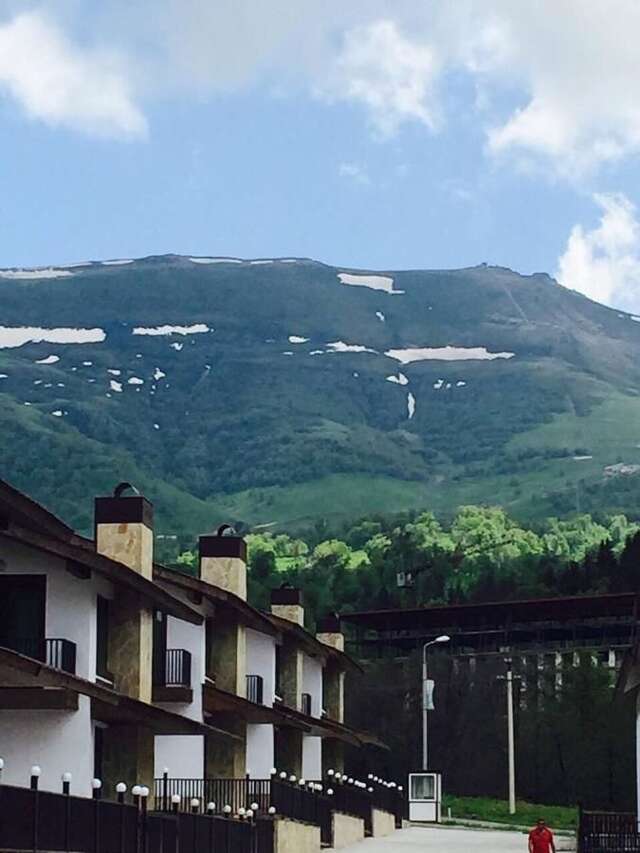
443	638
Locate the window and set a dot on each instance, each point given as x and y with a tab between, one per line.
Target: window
102	639
423	787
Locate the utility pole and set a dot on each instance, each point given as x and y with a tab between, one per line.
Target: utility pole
511	738
425	699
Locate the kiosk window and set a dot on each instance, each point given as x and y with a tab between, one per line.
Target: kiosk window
423	787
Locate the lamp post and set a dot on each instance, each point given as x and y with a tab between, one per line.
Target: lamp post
444	638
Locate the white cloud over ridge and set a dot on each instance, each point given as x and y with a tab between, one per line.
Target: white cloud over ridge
61	84
569	68
604	263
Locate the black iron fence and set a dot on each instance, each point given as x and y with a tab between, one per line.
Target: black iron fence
33	820
177	668
311	802
255	689
274	796
607	832
54	651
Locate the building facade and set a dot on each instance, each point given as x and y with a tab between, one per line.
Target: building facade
115	668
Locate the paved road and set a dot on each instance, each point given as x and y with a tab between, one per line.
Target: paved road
448	840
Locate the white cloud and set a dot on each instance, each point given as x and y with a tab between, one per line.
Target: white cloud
604	263
391	75
577	70
554	80
60	84
354	172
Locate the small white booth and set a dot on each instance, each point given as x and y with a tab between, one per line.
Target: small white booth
425	797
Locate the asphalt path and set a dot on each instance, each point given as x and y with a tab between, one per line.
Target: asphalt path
419	839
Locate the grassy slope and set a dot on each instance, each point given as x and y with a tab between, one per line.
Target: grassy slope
483	808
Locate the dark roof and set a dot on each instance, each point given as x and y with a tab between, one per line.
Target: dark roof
217	701
312	646
26	512
617	605
325	727
25	521
246	614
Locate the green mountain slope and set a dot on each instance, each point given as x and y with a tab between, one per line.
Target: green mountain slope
284	390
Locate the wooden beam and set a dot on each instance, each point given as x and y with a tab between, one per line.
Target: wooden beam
173	694
38	699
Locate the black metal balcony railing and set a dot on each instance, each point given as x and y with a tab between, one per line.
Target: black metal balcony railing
174	670
306	704
255	689
55	652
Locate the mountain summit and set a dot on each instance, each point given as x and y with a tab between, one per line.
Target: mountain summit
277	391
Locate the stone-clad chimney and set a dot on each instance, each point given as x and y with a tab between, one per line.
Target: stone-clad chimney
330	632
124	529
223	561
287	603
124	533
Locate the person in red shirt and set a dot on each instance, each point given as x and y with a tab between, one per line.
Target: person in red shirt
541	839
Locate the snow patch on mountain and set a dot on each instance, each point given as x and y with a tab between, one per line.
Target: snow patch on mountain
341	346
380	316
411	405
48	272
117	263
17	336
194	329
374	282
115	386
50	359
448	353
400	379
296	339
215	260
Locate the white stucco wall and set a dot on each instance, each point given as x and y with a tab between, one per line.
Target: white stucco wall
312	683
261	660
184	635
71	602
260	750
57	741
181	755
311	757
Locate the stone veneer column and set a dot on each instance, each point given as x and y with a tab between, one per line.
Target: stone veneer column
128	756
226	758
330	634
124	532
286	603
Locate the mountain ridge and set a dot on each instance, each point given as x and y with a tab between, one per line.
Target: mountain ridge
391	388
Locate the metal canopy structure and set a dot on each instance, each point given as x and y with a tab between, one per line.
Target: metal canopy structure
535	625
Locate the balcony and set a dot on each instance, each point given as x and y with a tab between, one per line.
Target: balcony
306	704
55	652
172	676
255	689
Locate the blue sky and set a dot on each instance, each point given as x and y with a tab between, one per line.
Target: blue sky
384	135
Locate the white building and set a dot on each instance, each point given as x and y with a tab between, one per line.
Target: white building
115	668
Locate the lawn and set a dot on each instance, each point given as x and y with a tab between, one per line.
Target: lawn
484	808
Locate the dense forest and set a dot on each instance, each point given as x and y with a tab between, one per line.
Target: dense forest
574	744
481	555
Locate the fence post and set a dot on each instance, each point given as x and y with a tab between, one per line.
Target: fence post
121	789
35	776
144	795
96	784
165	789
66	790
